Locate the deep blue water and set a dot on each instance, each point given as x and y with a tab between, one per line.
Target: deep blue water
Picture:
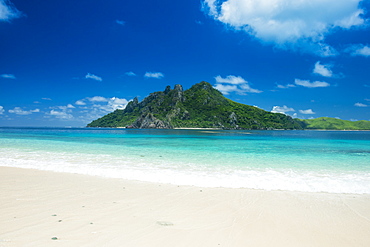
316	161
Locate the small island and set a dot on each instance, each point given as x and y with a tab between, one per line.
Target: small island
203	106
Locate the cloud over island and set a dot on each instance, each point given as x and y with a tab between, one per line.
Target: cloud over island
236	84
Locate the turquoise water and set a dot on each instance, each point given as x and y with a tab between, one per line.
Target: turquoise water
315	161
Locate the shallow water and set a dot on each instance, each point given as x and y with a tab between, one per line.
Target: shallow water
315	161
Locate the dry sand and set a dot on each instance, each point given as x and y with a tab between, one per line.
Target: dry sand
77	210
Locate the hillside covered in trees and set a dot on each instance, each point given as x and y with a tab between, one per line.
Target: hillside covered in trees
201	106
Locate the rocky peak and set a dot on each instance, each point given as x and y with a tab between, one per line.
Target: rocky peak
178	93
132	104
178	87
167	90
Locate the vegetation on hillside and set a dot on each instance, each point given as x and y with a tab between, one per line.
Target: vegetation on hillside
335	124
201	106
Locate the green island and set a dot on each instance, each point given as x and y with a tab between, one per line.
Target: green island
203	106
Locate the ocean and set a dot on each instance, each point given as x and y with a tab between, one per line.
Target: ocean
292	160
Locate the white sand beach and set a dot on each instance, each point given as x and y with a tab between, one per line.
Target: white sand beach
40	208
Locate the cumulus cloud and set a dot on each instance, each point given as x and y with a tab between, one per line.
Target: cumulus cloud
114	104
235	84
307	112
1	110
93	77
91	108
97	99
359	50
64	107
358	104
322	69
307	83
230	79
282	109
61	114
102	103
226	89
80	102
157	75
8	76
289	24
8	11
19	111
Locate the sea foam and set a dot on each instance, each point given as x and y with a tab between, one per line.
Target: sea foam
308	161
165	171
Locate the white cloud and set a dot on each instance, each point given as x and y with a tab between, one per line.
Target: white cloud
285	86
61	114
359	50
46	99
93	77
119	22
235	84
98	99
97	106
130	73
80	102
117	103
157	75
8	76
91	108
1	110
226	89
282	109
230	79
308	111
299	24
64	108
307	83
358	104
246	88
8	11
322	69
113	104
19	111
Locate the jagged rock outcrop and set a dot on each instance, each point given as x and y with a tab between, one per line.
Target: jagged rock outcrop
201	106
148	121
132	104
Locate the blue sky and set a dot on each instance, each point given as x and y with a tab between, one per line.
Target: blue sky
65	63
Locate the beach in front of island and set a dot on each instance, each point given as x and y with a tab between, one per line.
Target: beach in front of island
119	187
43	208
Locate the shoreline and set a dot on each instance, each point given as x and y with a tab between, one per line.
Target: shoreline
81	210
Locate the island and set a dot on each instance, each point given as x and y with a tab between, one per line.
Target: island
203	106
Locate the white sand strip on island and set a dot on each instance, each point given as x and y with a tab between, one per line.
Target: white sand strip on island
41	208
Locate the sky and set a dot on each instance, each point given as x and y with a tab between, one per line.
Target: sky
67	62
